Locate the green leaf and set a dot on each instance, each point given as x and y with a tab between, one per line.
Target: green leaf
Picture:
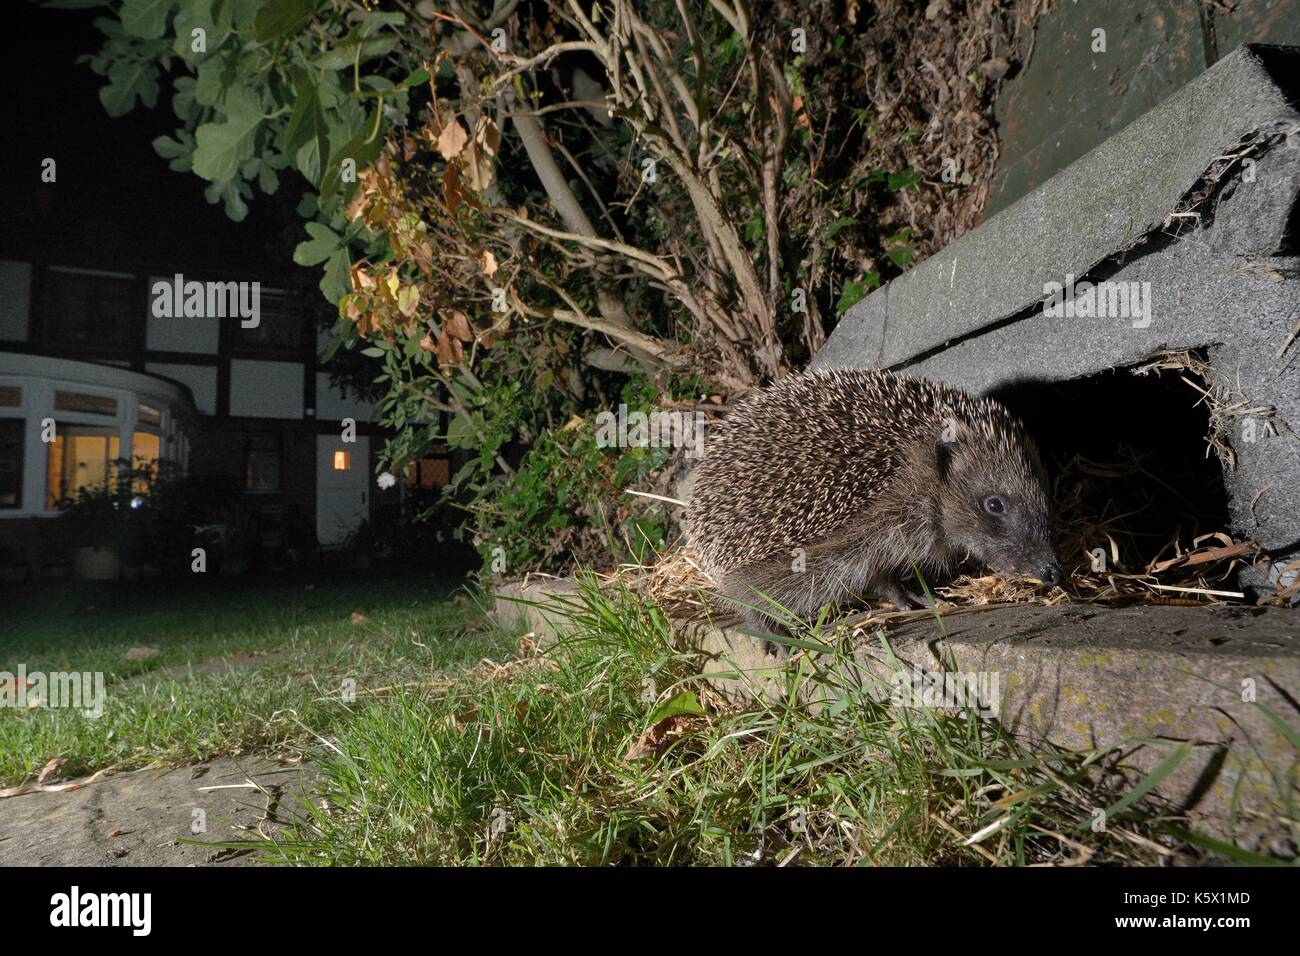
417	78
146	19
324	242
356	149
907	179
306	137
853	293
684	704
279	17
126	81
222	147
356	50
334	283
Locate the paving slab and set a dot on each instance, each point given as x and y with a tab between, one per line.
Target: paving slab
142	818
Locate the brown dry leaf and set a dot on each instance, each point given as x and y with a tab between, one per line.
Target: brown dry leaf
452	140
476	167
658	737
453	193
487	136
576	421
50	769
450	351
142	653
455	322
488	262
358	617
115	832
426	343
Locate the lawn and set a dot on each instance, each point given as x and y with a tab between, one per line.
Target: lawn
440	737
243	665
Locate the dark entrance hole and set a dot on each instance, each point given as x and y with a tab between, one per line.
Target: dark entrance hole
1126	455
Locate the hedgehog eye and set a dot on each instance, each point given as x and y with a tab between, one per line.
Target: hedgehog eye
994	505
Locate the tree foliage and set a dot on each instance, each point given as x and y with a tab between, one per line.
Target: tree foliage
522	208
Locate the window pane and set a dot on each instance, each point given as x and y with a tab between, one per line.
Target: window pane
80	458
144	445
148	415
430	473
11	462
87	404
262	463
94	310
281	320
11	396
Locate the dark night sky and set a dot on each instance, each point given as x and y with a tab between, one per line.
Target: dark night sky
115	204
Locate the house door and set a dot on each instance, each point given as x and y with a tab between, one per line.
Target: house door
342	487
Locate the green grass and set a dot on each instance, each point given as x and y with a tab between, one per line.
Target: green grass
443	757
529	766
184	704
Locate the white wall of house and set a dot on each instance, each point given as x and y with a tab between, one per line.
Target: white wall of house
181	333
200	379
266	389
342	487
332	405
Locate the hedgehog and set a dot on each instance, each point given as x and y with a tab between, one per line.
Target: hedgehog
842	484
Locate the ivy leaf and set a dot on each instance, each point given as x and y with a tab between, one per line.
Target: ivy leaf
222	147
126	81
146	19
231	194
324	242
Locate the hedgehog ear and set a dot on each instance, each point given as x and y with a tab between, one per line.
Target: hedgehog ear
943	455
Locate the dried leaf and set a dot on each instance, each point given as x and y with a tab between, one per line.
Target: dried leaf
450	351
488	262
453	193
452	140
50	769
456	322
408	300
658	737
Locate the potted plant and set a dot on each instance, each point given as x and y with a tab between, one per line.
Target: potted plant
96	520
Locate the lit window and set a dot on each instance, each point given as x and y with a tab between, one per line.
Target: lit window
79	458
342	461
144	446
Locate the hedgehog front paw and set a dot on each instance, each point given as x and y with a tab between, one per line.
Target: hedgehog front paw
904	598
